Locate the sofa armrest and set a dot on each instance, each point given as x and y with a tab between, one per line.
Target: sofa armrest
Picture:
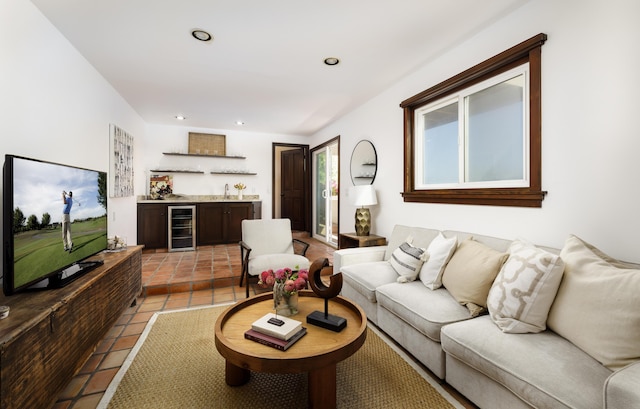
357	255
621	388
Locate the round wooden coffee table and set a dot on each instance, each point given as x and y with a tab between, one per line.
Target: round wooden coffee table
317	353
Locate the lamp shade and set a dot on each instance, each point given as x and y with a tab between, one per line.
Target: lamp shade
364	195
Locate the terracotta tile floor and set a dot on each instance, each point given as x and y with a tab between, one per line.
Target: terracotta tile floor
209	275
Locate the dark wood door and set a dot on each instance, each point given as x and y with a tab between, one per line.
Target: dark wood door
293	178
210	220
152	225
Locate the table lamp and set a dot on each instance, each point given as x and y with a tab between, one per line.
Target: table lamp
363	195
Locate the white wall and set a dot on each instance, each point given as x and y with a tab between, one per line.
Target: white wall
590	138
256	147
55	106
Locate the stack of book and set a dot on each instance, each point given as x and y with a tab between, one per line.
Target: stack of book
276	331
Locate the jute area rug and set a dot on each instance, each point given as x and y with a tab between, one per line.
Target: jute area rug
175	364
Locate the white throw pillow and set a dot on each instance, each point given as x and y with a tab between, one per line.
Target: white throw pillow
597	307
440	251
407	260
523	291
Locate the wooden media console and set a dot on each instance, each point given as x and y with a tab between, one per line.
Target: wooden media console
49	335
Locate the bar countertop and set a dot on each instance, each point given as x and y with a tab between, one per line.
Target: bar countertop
183	199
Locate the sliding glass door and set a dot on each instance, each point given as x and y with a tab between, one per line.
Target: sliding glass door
325	191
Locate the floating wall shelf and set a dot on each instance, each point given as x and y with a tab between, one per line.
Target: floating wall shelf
176	171
232	173
215	172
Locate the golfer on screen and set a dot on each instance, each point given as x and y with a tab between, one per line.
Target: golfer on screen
66	220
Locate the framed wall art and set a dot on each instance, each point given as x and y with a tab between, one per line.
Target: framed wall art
160	185
121	162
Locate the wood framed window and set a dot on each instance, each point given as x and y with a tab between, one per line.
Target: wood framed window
476	137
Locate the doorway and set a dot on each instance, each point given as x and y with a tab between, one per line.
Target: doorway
325	177
291	185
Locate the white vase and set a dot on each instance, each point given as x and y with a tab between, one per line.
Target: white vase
239	194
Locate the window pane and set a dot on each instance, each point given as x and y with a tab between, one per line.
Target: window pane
441	145
495	132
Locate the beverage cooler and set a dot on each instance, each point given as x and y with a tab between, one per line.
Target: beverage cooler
182	228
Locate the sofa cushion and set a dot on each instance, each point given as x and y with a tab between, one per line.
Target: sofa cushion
597	306
366	277
440	251
523	291
621	389
543	369
470	272
495	243
407	260
426	311
421	237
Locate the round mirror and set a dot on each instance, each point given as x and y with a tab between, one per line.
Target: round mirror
364	163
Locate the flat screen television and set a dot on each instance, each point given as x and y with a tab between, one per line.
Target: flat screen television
35	255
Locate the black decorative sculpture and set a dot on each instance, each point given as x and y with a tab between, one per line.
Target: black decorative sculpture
325	320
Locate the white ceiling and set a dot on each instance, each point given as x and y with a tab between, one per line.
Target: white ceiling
265	64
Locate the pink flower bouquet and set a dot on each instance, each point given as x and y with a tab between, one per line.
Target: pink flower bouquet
291	281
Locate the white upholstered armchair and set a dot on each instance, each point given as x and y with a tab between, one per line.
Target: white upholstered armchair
269	244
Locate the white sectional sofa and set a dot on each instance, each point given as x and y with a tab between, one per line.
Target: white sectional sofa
570	338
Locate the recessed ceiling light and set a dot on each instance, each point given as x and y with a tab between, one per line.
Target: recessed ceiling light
181	117
239	123
331	61
201	35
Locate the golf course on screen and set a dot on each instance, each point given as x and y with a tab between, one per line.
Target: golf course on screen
42	250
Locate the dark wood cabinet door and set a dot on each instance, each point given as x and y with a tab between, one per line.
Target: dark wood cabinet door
257	210
237	212
210	221
152	225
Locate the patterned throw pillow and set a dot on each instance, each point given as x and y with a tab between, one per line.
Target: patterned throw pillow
407	260
521	295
